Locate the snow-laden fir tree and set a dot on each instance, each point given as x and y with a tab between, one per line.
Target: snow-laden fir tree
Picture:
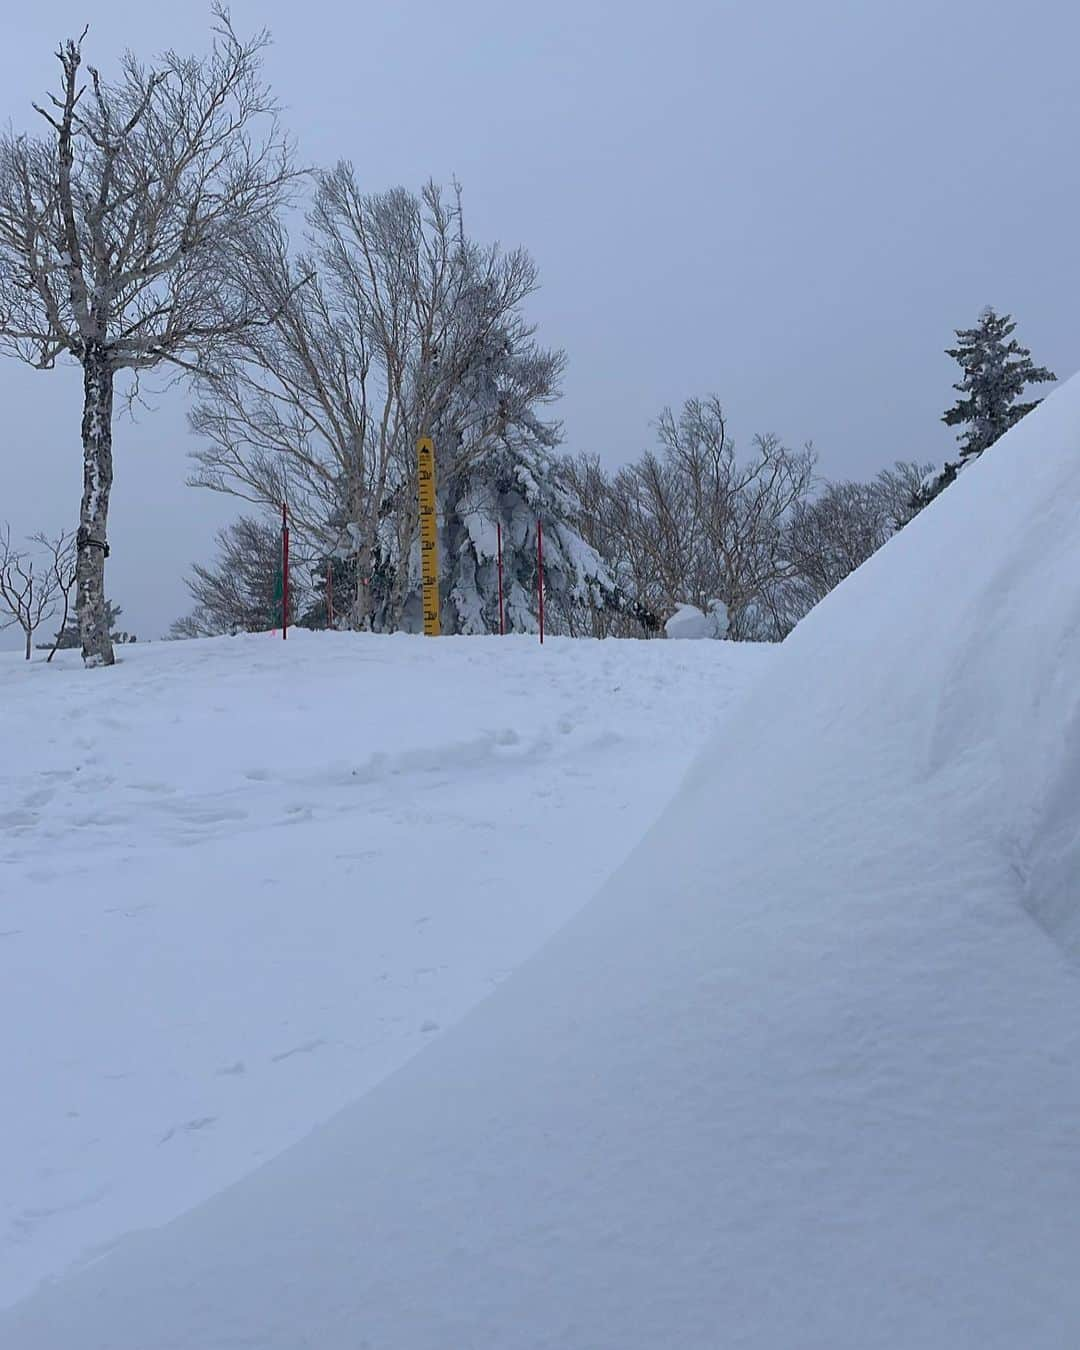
496	466
517	485
997	371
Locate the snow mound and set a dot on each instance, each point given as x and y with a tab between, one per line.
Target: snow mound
690	622
806	1073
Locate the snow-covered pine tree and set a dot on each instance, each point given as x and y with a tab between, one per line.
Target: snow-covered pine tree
515	485
496	465
997	371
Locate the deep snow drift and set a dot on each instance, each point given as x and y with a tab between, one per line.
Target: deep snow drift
242	880
805	1074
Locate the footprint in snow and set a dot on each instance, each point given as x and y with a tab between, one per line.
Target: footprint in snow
188	1127
304	1049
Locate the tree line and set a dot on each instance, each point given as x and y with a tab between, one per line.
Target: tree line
146	227
689	522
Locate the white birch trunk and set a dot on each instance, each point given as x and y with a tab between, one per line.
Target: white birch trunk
361	617
92	539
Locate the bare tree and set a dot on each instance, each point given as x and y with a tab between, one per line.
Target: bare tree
289	415
829	537
399	319
733	514
899	488
608	522
62	571
693	523
30	590
123	234
241	591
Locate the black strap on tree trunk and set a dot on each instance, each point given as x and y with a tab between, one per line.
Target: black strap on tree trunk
84	539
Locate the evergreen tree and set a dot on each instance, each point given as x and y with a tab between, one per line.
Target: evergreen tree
514	485
501	470
68	637
342	585
997	371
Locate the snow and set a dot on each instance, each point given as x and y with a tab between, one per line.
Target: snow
242	880
804	1073
690	622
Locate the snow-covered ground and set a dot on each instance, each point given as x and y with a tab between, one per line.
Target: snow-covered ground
241	881
805	1075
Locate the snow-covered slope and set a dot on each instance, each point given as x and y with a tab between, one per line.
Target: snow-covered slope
806	1074
242	880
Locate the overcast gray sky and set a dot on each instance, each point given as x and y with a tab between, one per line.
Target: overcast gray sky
790	203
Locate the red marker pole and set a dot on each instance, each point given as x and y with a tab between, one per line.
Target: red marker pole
502	621
284	572
540	573
329	595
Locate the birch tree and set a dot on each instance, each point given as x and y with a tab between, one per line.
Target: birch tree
439	306
294	414
123	233
392	324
